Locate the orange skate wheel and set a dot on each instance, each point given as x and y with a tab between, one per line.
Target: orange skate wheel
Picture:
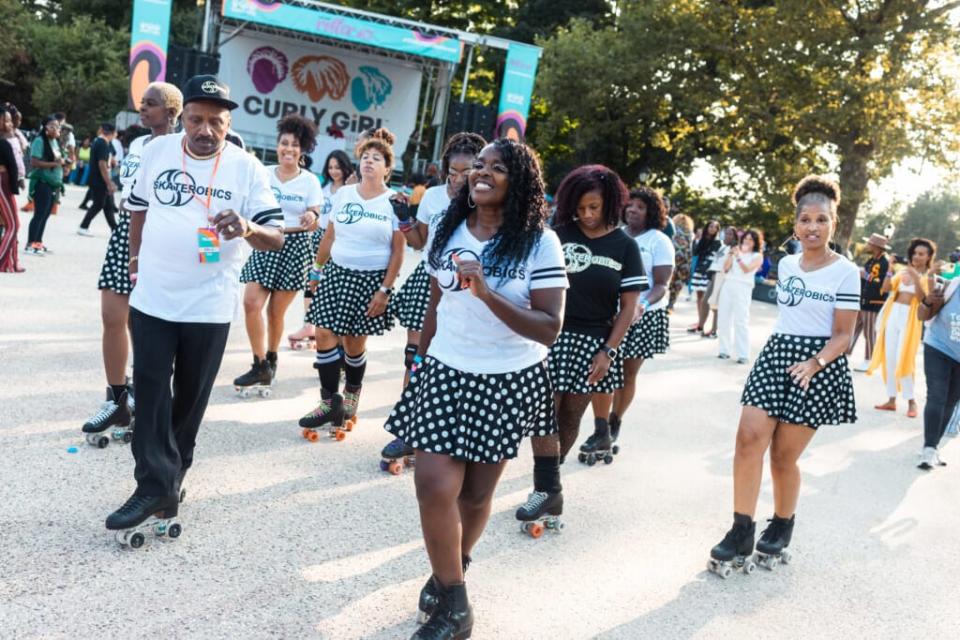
396	468
339	435
313	436
535	530
304	433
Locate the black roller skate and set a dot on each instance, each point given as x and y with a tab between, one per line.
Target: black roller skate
395	456
541	512
351	403
452	619
430	594
773	543
272	361
599	446
142	515
113	421
735	550
259	379
328	412
615	431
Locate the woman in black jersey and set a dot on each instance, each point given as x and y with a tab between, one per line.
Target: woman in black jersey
603	266
703	252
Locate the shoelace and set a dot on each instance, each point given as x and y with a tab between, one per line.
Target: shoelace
536	499
106	410
132	504
773	530
321	409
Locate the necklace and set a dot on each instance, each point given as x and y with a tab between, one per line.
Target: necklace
193	155
827	257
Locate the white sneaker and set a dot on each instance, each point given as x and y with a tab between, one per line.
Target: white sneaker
863	366
929	458
84	232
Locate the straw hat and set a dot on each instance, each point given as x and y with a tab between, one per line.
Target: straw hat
878	240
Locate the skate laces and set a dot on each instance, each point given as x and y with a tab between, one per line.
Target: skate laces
106	410
773	530
132	504
322	408
535	500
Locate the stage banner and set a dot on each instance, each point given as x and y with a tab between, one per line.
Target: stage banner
516	90
343	92
331	25
149	33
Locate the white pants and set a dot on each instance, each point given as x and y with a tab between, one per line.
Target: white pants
733	317
892	344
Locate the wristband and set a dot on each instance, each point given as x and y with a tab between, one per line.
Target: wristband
407	225
315	274
132	260
645	304
417	361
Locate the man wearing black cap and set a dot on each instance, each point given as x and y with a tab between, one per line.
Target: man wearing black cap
195	200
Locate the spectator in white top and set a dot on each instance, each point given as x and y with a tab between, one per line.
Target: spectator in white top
801	379
731	238
497	284
195	197
733	308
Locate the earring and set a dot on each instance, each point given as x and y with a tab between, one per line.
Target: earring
470	202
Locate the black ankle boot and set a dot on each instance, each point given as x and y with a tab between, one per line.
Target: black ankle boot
452	619
138	508
430	593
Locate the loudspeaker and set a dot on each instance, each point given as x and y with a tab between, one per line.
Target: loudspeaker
472	117
184	63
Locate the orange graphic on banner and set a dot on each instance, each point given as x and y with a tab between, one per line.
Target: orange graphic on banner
319	76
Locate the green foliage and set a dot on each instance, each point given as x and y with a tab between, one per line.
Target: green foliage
935	216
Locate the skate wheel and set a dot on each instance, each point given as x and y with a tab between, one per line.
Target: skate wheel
312	436
127	437
103	442
785	557
384	465
582	457
616	449
535	529
396	468
749	567
591	460
339	435
136	540
266	393
175	530
608	459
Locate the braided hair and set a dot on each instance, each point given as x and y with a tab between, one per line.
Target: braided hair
524	211
463	143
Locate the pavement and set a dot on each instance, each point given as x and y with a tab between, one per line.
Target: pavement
287	539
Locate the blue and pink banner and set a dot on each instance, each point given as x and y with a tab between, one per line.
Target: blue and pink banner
149	33
517	90
331	25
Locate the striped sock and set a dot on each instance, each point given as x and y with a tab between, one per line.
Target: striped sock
355	366
327	365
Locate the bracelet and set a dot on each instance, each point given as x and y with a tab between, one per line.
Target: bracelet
248	232
132	260
645	304
407	225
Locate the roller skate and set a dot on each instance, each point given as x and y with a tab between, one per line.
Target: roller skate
599	446
328	412
351	401
113	421
541	512
430	594
303	339
141	516
773	543
259	379
615	432
395	456
735	550
452	619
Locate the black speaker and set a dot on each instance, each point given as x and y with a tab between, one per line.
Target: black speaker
184	63
472	117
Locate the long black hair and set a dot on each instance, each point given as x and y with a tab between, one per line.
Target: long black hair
583	180
706	246
47	147
343	161
463	143
524	211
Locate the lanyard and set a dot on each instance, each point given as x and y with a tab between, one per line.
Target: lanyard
216	165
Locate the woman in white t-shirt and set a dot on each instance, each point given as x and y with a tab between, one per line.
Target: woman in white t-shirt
480	382
801	379
336	170
645	215
360	255
273	278
733	309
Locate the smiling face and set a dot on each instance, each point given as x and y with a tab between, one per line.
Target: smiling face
746	244
457	173
814	226
333	168
489	180
288	151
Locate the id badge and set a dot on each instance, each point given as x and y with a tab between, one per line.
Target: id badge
208	244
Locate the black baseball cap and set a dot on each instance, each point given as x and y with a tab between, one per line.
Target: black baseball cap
208	88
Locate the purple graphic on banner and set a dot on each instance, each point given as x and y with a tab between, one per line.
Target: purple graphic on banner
267	68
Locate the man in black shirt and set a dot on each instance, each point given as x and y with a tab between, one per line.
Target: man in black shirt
872	276
102	186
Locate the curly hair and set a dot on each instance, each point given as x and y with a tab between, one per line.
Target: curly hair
656	207
815	189
463	143
381	140
583	180
300	128
916	243
757	236
342	160
524	211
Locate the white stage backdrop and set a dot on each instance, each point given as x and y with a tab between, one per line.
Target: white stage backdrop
270	77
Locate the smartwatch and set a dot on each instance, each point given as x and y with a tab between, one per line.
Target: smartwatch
387	291
610	351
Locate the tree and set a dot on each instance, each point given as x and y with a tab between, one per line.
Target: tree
935	216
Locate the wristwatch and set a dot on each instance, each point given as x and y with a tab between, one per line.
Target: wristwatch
387	291
610	351
820	361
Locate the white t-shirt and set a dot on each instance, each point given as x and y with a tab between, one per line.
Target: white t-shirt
656	250
434	202
737	274
328	196
296	196
363	229
719	258
469	336
806	301
130	165
173	188
117	149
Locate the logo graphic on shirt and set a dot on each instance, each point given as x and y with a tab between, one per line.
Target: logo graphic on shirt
129	166
447	277
286	197
579	257
370	90
794	291
354	212
175	188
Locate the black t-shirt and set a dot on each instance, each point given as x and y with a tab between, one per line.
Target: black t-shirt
99	150
706	253
870	297
599	269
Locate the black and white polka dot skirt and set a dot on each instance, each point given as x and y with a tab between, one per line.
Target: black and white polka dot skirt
473	417
341	300
315	238
115	272
569	365
648	336
283	270
700	281
410	302
829	398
